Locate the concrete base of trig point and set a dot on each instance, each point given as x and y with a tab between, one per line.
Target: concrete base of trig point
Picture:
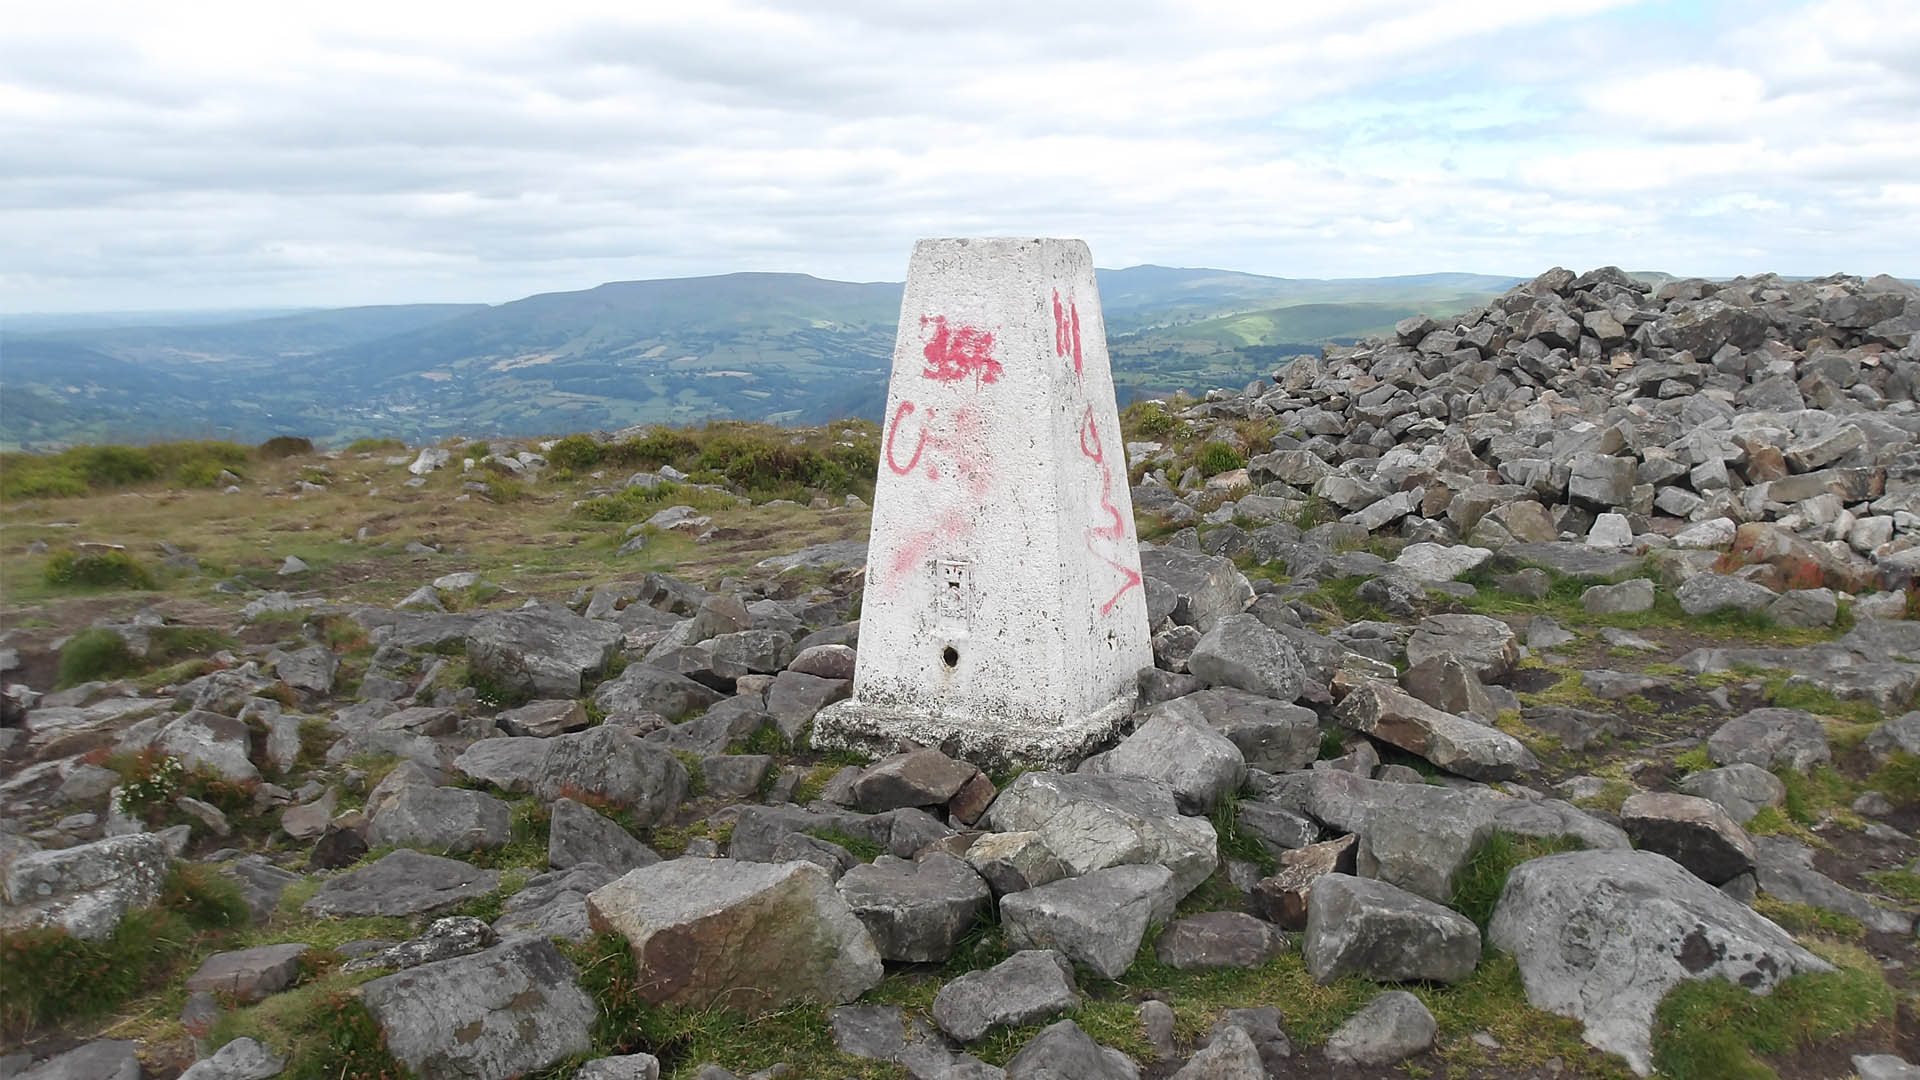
1004	618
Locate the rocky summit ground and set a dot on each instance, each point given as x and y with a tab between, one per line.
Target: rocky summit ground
1531	698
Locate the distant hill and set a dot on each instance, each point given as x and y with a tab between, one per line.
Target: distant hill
789	348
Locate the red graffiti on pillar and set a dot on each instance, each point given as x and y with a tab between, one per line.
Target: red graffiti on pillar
893	429
953	355
1116	528
1066	330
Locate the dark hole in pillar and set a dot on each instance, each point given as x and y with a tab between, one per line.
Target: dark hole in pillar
950	656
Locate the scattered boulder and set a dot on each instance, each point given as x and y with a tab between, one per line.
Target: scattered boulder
1218	939
403	883
85	889
1241	652
915	911
1025	988
1064	1050
250	974
1200	765
753	936
1770	738
1370	928
1694	832
1092	822
1096	919
1392	1027
1601	936
1452	742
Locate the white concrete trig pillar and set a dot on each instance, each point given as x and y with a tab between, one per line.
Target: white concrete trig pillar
1004	616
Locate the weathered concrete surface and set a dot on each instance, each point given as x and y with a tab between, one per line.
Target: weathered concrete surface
1005	614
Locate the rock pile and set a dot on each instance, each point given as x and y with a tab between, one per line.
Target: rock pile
1298	786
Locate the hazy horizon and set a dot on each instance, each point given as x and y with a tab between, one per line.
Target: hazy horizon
232	155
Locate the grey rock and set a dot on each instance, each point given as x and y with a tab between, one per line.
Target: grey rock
1262	1026
1218	939
104	1059
1241	652
1708	593
1272	735
444	939
1742	789
1883	1067
1627	598
1769	738
405	882
553	904
1786	872
1202	589
1452	742
1692	831
1484	644
249	975
1370	928
492	1015
580	834
1198	764
645	688
915	911
754	935
922	777
1805	608
795	698
546	652
1062	1050
1013	862
443	819
87	888
1027	987
1096	919
1092	822
1392	1027
622	1067
1901	734
1229	1055
1601	936
241	1059
311	669
542	719
1439	562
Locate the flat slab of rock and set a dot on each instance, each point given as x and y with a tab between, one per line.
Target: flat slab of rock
103	1059
750	936
1219	939
915	911
1454	743
443	819
604	762
921	777
406	882
491	1015
1486	645
85	889
1241	652
545	652
1025	988
553	904
1771	737
578	834
1357	926
250	974
1272	735
1601	936
1096	919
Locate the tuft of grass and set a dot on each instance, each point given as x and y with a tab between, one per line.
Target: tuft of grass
1814	795
284	446
95	654
1902	885
1149	420
1783	693
1693	761
375	446
1612	794
1898	779
48	976
864	850
1235	842
1807	919
1711	1029
812	784
696	773
1217	457
322	1029
97	570
1477	886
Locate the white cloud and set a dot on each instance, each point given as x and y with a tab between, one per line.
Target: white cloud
245	153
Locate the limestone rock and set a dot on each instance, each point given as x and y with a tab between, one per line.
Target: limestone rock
1771	737
1217	939
442	819
1452	742
103	1059
1241	652
1742	789
579	834
250	974
1025	988
1691	831
545	652
492	1015
1705	594
1092	822
85	889
1062	1050
1096	919
915	911
403	883
1601	936
1272	735
1200	765
1370	928
753	936
553	904
1485	645
1392	1027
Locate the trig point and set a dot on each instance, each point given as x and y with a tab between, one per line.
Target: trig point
1004	616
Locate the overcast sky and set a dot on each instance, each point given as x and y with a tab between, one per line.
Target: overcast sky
164	155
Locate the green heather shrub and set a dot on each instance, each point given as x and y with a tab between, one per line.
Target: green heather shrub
95	654
283	446
1149	419
97	569
1218	457
375	446
661	446
575	452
